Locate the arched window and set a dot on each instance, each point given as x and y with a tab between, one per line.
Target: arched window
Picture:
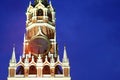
32	70
20	70
40	12
58	70
46	69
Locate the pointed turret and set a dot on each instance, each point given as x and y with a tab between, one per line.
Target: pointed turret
13	59
65	58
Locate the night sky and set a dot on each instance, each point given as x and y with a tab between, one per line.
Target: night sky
89	28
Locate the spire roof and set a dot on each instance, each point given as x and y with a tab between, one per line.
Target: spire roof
65	58
51	7
13	59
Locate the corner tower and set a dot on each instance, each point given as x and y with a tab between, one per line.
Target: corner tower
40	59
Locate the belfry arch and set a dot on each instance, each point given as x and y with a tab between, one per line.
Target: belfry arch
46	69
58	69
40	12
20	70
32	70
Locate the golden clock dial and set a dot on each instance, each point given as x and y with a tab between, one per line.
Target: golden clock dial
39	45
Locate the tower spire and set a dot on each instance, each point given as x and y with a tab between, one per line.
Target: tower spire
13	59
65	58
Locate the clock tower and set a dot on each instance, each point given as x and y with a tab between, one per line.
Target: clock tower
40	59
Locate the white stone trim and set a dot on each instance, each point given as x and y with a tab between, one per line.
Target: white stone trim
40	24
41	78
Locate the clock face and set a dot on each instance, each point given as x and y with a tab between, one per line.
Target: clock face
39	46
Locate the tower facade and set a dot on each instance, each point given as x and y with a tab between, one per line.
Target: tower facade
40	59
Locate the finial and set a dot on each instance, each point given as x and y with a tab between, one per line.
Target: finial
30	3
58	58
46	59
49	54
20	60
29	54
32	58
23	55
26	59
39	59
40	1
50	2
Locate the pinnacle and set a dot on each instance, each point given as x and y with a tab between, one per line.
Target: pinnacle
13	59
65	58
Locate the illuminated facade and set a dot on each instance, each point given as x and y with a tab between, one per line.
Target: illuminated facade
40	59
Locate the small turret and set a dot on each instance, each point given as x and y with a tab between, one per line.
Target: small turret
65	58
51	7
13	59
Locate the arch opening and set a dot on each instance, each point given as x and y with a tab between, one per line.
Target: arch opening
32	70
20	70
40	12
46	69
58	70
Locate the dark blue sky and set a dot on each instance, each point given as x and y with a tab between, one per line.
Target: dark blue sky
89	28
